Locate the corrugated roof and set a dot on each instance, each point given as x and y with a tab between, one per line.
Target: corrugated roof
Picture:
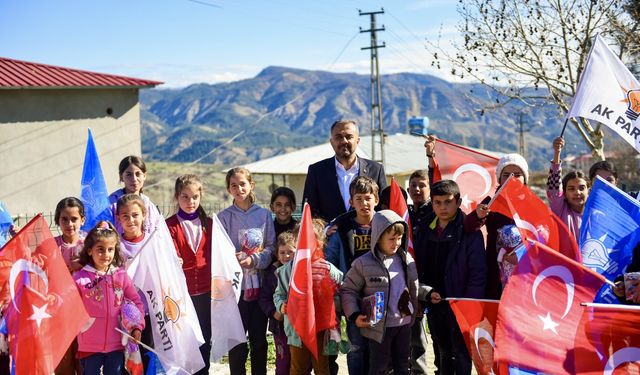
17	74
403	153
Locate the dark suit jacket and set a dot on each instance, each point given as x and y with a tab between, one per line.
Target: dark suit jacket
321	188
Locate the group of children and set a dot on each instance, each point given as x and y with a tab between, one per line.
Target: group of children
365	254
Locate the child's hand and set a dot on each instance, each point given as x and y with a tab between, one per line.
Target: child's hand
283	308
430	145
482	210
181	261
244	260
277	316
511	258
136	334
331	230
558	144
362	321
435	298
618	289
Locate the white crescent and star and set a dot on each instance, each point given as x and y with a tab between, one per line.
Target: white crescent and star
23	265
39	314
624	355
301	254
566	276
479	170
481	333
523	224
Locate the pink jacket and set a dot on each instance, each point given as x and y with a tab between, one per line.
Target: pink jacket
558	203
103	295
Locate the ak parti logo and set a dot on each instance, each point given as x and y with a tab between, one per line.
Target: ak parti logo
632	98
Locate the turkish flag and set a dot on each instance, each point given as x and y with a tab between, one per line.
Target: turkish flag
45	312
477	321
608	340
534	218
473	171
398	205
539	313
300	306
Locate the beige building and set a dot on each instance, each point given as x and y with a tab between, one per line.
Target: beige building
45	112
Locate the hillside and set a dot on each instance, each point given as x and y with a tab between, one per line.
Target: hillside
282	109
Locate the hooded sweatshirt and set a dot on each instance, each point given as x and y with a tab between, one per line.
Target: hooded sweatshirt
371	273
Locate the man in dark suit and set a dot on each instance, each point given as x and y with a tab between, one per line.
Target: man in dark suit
326	188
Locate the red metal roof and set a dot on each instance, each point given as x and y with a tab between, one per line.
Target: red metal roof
15	74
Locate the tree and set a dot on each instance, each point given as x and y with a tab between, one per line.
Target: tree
533	51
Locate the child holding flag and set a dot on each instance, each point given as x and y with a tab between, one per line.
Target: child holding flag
190	230
104	287
250	228
567	197
325	278
390	269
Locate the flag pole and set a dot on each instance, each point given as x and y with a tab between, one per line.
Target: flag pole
564	127
148	348
499	191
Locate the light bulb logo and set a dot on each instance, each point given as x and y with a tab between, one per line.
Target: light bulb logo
633	111
595	254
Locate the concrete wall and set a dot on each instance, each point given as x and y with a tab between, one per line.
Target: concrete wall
43	135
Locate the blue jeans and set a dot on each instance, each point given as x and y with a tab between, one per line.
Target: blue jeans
358	356
111	363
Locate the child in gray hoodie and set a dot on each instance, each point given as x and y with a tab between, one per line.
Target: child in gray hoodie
390	269
250	228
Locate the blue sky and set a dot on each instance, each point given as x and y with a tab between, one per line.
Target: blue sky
187	41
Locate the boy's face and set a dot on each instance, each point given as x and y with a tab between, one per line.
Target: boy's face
364	204
445	206
418	190
389	242
285	253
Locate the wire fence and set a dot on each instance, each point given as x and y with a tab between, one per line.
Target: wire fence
166	209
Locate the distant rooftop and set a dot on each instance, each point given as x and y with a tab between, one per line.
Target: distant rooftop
403	153
17	74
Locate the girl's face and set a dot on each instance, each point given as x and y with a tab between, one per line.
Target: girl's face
507	171
70	222
102	253
282	208
131	218
189	198
576	193
285	253
240	187
133	178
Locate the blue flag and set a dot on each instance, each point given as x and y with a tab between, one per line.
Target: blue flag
609	232
93	192
5	224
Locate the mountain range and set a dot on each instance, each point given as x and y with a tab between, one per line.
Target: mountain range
283	109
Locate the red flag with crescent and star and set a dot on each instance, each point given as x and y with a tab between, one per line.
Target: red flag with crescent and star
44	311
398	204
477	321
608	340
539	313
473	171
534	219
300	307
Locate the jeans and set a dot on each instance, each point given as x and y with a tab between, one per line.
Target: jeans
202	305
111	363
358	356
394	350
446	335
419	344
255	323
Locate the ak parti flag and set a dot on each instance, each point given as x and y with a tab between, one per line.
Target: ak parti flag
539	313
93	192
45	312
608	93
398	205
473	171
534	218
477	321
608	340
300	307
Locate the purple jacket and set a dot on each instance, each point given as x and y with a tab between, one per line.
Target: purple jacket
103	295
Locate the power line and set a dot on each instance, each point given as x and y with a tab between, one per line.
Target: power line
205	4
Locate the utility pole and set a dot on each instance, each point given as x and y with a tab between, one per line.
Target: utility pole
522	130
377	129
